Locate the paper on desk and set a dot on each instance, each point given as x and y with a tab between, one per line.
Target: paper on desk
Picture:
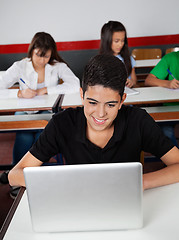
8	93
36	101
171	89
130	91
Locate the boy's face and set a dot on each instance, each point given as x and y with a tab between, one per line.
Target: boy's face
101	107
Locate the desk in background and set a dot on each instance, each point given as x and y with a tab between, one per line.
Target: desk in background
161	218
146	63
24	122
153	95
147	95
163	113
143	68
9	102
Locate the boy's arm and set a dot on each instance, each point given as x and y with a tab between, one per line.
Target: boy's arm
16	176
167	175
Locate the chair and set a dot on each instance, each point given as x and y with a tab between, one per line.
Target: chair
169	50
13	126
146	53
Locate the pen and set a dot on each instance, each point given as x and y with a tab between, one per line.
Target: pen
170	74
24	82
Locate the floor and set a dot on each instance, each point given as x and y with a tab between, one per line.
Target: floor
6	147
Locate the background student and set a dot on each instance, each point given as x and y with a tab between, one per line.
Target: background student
114	42
38	74
103	130
166	74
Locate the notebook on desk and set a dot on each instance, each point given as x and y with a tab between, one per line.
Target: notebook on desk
89	197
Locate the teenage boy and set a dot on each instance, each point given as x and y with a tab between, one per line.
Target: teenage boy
103	130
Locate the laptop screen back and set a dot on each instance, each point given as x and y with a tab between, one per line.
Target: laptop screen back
88	197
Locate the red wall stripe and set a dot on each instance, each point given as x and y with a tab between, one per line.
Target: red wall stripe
153	40
94	44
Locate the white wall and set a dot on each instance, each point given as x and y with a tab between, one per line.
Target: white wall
74	20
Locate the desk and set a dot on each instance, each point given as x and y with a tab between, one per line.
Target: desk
24	122
2	72
147	95
145	63
153	95
9	102
161	218
163	113
143	68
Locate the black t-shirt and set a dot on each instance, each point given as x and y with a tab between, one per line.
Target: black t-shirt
134	131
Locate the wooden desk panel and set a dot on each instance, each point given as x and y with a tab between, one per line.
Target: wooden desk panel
164	113
23	125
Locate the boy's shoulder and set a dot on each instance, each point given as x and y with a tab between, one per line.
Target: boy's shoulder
72	114
132	110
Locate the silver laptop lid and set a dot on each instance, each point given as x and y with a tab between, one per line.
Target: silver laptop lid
86	197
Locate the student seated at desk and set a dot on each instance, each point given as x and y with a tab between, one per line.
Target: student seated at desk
114	42
103	130
166	74
38	74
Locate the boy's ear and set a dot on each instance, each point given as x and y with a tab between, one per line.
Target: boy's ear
81	94
122	100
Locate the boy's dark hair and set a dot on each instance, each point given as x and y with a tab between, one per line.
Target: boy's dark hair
105	70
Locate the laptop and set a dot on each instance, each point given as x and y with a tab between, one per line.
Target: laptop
88	197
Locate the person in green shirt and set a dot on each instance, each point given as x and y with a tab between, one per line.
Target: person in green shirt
166	74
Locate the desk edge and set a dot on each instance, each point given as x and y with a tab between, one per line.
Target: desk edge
11	212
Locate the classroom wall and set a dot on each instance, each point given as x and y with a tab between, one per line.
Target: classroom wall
75	26
76	20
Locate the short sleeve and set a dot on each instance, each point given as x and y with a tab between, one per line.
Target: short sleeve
160	70
133	62
47	145
153	139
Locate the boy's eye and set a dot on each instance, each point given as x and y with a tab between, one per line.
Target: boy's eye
92	103
111	105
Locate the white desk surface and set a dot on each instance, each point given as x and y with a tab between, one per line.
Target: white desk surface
1	73
146	95
163	113
153	95
11	103
161	219
162	109
147	63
